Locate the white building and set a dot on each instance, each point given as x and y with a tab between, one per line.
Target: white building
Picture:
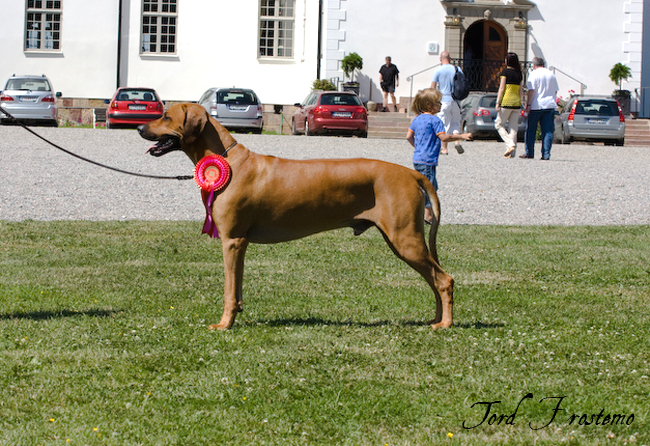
279	47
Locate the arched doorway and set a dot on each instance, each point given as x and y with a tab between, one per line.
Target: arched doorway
484	49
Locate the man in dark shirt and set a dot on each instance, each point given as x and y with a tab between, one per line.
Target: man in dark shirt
389	80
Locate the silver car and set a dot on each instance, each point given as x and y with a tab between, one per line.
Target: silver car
595	119
236	109
478	112
30	99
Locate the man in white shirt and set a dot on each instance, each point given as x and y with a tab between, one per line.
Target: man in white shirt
443	80
540	106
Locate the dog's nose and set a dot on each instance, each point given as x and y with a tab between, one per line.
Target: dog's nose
141	129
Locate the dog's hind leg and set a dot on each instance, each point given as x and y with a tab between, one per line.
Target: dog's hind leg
234	251
409	245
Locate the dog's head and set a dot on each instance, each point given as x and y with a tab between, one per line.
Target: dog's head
186	127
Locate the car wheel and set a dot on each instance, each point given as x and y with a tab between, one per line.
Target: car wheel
363	134
307	130
620	142
294	131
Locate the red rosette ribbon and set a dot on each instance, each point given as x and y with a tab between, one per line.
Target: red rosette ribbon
212	173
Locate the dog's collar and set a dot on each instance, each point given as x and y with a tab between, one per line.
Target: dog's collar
231	146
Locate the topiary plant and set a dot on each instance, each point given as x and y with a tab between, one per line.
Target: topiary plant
351	62
619	73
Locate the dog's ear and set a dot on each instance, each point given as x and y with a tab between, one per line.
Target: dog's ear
196	118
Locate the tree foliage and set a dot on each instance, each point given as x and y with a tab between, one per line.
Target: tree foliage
351	62
619	73
323	84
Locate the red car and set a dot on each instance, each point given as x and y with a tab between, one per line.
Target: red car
133	106
338	112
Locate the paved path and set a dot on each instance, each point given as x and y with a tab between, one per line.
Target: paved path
581	185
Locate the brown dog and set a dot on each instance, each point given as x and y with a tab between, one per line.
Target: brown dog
270	200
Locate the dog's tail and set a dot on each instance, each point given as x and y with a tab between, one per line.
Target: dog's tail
428	188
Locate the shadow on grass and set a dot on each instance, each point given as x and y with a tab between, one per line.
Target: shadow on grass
45	315
314	321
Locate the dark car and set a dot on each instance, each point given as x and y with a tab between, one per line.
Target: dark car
334	112
237	109
30	99
133	106
594	119
478	112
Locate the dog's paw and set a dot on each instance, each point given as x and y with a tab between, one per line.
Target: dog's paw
219	327
440	325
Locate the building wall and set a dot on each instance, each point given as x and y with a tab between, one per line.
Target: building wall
584	42
217	47
380	28
86	64
644	91
583	39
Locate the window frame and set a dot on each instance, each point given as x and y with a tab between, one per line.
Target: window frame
159	16
278	40
39	27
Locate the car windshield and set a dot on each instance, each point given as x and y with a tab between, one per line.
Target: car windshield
136	95
340	99
38	84
237	97
596	107
488	102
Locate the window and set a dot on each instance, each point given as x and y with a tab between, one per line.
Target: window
159	18
43	25
276	28
236	97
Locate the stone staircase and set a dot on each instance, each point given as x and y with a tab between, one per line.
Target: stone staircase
637	132
388	125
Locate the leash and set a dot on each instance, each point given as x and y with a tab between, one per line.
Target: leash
136	174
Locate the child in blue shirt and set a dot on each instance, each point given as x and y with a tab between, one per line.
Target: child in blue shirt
425	134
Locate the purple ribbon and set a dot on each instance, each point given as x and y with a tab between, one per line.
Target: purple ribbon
209	227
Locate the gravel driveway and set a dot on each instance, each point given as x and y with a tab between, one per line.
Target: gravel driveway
580	185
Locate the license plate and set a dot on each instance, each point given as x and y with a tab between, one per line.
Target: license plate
137	107
28	98
341	114
238	107
597	121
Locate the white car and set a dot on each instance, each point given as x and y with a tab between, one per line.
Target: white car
236	109
30	99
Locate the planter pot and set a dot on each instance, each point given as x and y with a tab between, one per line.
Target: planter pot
623	98
351	86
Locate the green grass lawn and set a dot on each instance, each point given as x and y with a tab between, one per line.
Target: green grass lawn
104	339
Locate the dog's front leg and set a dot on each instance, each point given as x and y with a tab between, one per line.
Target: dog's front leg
234	251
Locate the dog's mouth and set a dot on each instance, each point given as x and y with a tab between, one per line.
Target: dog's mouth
165	145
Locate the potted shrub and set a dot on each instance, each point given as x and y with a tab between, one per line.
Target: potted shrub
323	84
618	74
349	64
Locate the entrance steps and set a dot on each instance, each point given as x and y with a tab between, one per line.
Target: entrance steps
637	132
388	125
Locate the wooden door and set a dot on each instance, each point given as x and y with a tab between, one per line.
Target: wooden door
495	45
